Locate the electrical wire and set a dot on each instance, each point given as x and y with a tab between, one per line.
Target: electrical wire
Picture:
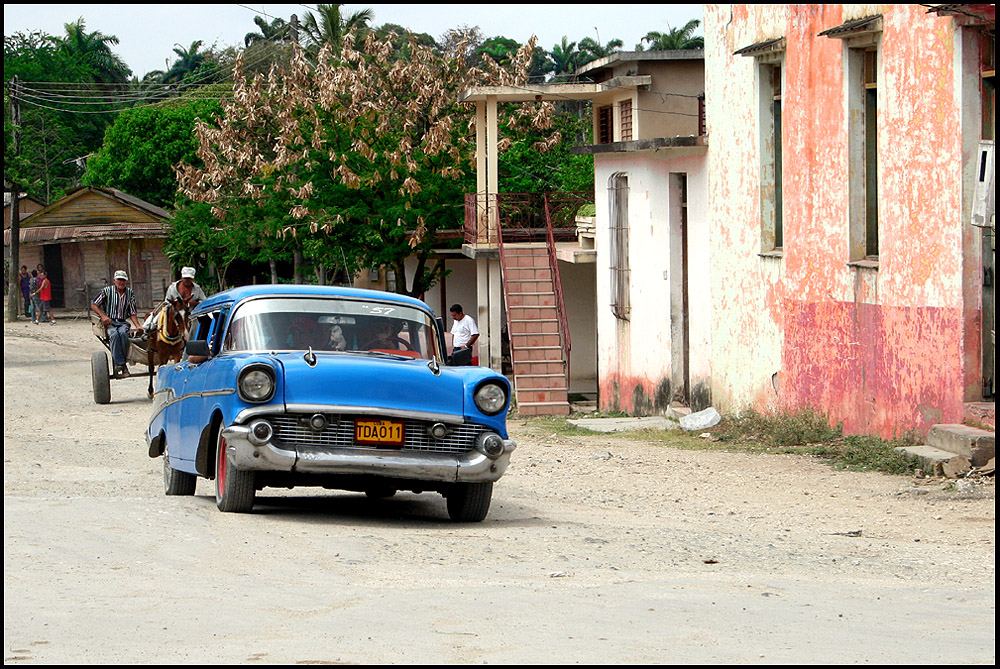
56	93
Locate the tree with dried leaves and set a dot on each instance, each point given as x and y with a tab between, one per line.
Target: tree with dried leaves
370	153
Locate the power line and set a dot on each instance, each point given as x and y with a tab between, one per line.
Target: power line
57	93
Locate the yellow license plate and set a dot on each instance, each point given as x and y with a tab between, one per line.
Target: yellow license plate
379	432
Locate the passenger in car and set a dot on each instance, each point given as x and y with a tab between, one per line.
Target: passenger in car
304	332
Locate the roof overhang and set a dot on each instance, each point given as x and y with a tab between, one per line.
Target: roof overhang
643	56
855	27
651	145
51	234
967	14
552	92
764	48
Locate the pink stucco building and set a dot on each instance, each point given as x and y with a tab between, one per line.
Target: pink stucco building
846	274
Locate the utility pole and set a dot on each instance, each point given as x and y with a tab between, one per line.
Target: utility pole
13	279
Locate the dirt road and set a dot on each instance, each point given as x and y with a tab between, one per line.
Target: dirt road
597	550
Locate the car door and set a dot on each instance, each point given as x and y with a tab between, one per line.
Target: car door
194	414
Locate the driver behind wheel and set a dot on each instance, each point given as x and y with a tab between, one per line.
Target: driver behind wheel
383	334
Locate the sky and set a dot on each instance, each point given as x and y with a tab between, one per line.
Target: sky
148	33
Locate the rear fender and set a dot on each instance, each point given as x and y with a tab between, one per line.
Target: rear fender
156	445
204	460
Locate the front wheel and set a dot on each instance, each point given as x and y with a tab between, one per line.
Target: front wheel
469	502
234	488
101	377
175	482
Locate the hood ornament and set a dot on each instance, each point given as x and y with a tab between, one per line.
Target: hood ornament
310	357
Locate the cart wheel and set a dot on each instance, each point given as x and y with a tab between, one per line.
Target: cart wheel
101	377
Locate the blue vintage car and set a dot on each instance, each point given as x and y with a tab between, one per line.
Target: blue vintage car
343	388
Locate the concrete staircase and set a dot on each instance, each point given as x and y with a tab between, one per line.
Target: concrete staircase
540	367
952	450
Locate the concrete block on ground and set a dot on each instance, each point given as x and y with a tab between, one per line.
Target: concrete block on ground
936	461
975	444
625	424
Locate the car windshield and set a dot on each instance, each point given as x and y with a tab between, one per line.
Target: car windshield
332	324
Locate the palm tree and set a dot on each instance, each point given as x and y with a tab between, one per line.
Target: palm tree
328	26
674	39
591	49
188	60
565	57
94	50
275	31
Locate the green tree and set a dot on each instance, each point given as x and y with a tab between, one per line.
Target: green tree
674	39
94	49
275	31
189	60
591	49
524	169
144	144
368	155
328	26
50	139
501	49
565	57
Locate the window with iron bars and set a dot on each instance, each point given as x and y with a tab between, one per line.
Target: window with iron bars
620	274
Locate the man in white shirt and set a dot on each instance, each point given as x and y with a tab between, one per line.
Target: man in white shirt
185	290
463	329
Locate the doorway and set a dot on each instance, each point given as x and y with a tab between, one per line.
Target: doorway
53	261
680	338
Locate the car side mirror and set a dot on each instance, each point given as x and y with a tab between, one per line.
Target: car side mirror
198	350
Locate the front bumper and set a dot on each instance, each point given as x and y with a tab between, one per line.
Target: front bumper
467	467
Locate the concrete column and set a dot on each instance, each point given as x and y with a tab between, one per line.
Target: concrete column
482	221
483	308
492	180
496	318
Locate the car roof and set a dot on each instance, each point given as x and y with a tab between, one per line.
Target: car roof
258	290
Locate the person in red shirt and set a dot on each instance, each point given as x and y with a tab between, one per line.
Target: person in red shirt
44	293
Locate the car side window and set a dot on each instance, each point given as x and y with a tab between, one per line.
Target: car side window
216	328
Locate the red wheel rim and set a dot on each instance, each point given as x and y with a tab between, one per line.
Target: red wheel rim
220	469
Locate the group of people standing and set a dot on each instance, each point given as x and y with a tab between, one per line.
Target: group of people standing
36	289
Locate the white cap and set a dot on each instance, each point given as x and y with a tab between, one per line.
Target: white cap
187	272
121	274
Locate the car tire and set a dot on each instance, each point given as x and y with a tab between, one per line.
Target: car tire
469	502
234	488
101	377
176	482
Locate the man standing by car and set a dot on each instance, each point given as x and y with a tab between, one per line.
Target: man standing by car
115	305
465	334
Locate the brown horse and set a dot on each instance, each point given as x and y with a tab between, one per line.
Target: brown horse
167	339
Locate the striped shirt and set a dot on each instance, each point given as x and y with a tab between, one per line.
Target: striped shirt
117	307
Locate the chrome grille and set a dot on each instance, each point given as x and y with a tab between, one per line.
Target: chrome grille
293	430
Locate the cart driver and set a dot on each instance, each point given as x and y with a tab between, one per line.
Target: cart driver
115	306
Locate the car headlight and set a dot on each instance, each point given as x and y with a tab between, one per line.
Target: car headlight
490	398
256	384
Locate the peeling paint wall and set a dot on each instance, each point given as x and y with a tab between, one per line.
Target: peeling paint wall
634	356
884	349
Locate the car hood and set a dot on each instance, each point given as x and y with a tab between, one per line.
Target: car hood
366	381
